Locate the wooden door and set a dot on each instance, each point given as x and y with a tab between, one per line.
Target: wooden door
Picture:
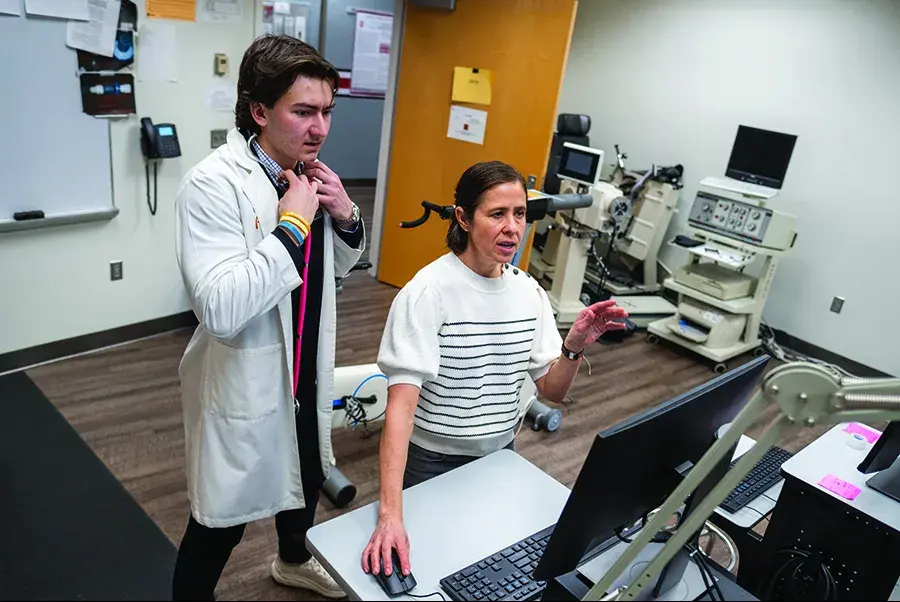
524	43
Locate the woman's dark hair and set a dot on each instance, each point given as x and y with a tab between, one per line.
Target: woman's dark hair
269	68
472	186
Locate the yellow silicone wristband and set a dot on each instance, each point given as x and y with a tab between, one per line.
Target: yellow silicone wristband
304	228
299	218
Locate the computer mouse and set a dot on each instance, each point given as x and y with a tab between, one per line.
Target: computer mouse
395	584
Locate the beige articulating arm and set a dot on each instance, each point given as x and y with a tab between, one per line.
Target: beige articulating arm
806	395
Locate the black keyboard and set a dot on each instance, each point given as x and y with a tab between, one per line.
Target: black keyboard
505	575
766	473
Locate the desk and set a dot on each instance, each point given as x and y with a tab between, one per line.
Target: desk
830	454
452	521
751	514
859	540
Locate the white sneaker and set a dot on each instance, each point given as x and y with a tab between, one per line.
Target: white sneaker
310	575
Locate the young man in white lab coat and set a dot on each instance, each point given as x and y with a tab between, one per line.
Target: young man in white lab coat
245	218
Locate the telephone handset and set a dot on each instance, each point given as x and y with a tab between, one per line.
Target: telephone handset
159	141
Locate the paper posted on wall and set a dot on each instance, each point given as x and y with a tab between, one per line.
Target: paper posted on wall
219	11
157	55
467	124
221	97
371	53
285	18
11	7
61	9
99	34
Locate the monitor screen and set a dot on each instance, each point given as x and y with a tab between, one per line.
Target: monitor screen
165	130
579	165
760	156
632	467
884	452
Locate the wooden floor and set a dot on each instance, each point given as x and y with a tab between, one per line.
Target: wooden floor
125	403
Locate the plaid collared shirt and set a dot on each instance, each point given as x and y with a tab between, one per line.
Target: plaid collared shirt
273	170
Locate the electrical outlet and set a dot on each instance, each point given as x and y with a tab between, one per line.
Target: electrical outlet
115	270
217	138
837	304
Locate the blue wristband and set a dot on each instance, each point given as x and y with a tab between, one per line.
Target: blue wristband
294	231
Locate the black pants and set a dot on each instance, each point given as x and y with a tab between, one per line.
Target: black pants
205	551
423	464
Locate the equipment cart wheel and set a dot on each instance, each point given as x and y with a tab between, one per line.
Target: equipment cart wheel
720	368
759	351
652	339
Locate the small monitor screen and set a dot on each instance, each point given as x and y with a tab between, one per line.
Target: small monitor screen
760	156
579	165
165	130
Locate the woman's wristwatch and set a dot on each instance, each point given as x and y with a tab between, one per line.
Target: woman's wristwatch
568	354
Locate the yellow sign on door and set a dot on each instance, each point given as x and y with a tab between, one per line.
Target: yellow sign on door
472	85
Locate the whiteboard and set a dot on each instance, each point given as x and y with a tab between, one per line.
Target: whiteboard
53	157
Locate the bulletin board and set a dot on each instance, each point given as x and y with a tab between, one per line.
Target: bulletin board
54	157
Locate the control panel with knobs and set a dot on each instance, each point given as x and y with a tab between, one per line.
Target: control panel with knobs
732	218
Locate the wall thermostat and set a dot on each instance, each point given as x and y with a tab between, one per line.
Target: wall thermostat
220	65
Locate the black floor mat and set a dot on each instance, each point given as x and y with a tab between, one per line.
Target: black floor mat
68	529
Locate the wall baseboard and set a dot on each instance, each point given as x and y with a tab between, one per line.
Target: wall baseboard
851	366
24	358
359	182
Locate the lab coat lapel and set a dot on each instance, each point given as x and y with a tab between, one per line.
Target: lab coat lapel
262	196
256	186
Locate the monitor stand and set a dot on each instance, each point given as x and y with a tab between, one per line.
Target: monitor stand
686	585
887	482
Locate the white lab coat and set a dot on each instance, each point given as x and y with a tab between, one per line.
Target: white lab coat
237	370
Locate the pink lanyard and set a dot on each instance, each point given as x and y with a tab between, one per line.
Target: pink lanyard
301	312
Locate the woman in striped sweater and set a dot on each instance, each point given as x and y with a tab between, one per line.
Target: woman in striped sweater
459	341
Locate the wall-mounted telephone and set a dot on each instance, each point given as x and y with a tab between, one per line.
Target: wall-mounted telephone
159	141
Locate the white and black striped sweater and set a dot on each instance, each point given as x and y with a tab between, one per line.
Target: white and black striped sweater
468	342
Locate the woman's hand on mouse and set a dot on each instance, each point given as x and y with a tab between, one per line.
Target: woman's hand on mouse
592	322
390	533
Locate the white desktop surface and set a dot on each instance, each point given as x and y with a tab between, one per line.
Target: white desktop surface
830	454
756	510
452	521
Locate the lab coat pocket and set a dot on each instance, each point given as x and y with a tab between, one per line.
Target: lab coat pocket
243	384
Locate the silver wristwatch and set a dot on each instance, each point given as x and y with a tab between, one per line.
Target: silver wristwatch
349	224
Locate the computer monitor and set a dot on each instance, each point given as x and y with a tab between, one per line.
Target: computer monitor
884	457
760	156
634	466
580	164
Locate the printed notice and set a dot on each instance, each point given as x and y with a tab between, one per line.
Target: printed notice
467	124
371	53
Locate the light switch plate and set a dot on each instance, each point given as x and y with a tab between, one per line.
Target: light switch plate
837	304
217	138
115	270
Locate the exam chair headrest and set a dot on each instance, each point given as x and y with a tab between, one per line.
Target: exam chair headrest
570	124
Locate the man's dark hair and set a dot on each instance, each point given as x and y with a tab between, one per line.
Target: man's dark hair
269	68
472	185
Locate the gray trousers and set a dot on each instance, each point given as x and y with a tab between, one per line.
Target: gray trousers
423	464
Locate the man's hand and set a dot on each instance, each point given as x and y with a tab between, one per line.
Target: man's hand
390	533
592	322
332	196
301	196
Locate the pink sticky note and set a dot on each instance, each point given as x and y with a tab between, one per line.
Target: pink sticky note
839	486
854	428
